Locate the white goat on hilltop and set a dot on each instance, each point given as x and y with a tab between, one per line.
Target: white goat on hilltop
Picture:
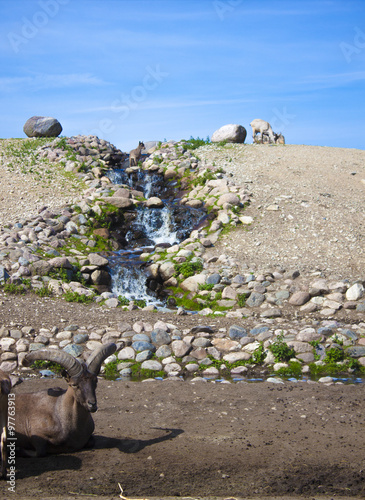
264	128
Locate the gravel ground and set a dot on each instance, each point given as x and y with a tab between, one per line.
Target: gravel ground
28	183
307	204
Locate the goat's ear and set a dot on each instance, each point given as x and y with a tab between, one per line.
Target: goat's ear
65	375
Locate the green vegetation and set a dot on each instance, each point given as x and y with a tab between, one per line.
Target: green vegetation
47	365
140	303
205	286
195	143
188	268
44	291
139	373
67	275
221	363
70	296
187	303
259	354
293	370
281	350
334	355
123	300
111	372
14	289
100	244
208	175
241	300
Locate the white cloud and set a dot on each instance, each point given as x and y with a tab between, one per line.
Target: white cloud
165	104
48	81
334	79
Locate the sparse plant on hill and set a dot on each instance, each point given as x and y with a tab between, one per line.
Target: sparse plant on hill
70	296
281	350
195	143
259	354
188	268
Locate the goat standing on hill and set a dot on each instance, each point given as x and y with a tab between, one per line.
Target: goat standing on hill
264	128
5	386
58	420
135	155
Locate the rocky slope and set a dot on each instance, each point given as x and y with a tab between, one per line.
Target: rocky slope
293	253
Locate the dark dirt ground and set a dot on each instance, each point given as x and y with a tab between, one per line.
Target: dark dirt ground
205	440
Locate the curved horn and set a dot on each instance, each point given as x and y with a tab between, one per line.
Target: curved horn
68	362
96	358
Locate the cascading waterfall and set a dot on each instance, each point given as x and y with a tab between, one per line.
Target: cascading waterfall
138	179
151	226
128	279
157	225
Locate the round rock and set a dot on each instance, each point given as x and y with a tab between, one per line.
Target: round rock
42	126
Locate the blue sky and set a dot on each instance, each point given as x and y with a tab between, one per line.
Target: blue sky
149	70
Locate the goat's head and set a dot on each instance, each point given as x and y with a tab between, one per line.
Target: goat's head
279	138
81	377
141	145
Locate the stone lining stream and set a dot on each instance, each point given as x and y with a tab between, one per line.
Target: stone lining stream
152	226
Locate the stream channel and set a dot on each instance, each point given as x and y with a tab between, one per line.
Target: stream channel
149	227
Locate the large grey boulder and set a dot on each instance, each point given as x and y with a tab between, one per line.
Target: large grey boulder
42	126
230	133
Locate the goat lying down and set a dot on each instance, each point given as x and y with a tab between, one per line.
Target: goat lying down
5	386
58	420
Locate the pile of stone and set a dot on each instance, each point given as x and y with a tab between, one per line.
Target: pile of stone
204	350
88	151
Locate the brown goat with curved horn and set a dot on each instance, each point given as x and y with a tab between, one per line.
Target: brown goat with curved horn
58	420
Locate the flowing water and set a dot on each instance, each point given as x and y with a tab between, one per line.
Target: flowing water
152	226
